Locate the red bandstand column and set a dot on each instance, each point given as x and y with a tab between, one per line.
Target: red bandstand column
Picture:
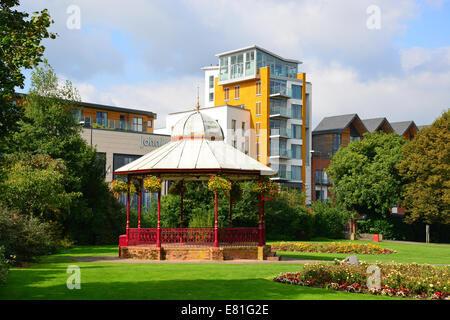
216	239
231	211
263	223
181	205
260	226
128	206
158	229
140	204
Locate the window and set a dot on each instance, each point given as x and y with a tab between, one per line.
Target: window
137	124
87	122
119	160
296	131
296	172
211	82
211	96
296	92
296	111
258	149
226	94
258	108
76	114
233	125
236	92
258	129
223	69
296	151
249	63
243	146
237	66
336	142
102	119
150	123
122	122
234	144
243	128
258	88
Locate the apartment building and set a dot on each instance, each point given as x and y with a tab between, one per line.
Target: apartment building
338	131
278	99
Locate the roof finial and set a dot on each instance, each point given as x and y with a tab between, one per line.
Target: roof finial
198	104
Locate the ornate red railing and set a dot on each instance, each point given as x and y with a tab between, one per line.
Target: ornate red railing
194	236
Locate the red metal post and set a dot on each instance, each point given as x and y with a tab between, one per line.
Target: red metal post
231	211
181	205
158	230
140	204
216	229
128	206
260	226
263	222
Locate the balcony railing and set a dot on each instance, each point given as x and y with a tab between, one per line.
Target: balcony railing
283	111
281	91
117	125
282	132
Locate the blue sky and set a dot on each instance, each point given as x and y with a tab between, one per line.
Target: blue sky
148	54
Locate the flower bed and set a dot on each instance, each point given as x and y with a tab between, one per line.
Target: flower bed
333	247
397	279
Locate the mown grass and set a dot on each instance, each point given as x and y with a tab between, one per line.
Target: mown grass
47	278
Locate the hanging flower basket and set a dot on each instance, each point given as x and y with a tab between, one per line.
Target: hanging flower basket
219	184
152	184
267	189
119	186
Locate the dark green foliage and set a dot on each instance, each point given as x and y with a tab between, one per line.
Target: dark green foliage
24	237
365	176
328	220
4	266
20	37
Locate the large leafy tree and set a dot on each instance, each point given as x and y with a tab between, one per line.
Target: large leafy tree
20	47
49	128
426	168
364	174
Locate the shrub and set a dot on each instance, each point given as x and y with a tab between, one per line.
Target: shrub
24	237
4	266
329	220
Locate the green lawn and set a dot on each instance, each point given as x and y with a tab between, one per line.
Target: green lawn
420	253
102	280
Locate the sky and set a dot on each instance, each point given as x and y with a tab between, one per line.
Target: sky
376	58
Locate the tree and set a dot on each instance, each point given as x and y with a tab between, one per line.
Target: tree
20	44
34	185
48	128
364	174
426	168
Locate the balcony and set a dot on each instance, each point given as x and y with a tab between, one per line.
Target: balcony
280	112
280	92
118	125
281	133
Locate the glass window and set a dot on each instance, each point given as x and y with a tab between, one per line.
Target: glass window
211	96
122	122
296	91
258	108
119	160
258	88
296	151
296	131
336	142
243	128
150	123
258	128
237	92
296	172
87	122
137	124
233	125
102	119
258	149
211	82
76	114
226	94
249	63
296	111
223	68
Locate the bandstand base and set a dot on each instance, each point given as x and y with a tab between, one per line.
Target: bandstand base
220	253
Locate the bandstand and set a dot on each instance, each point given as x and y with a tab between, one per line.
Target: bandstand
196	152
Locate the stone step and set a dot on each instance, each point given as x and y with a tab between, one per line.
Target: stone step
274	258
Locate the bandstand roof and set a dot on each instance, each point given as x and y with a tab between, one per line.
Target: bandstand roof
197	148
